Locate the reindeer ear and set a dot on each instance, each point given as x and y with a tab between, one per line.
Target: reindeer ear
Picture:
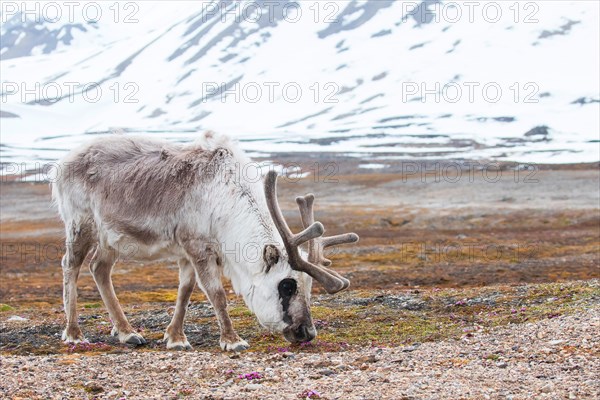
271	255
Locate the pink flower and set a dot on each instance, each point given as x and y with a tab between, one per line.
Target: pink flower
250	376
310	394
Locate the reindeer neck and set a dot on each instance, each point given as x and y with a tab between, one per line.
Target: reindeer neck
247	230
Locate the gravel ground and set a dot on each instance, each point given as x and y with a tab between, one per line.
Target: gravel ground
551	359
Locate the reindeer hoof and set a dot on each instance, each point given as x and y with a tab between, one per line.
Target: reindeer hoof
132	338
73	336
176	341
179	346
136	341
240	345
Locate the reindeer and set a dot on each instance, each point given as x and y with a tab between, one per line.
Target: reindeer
186	202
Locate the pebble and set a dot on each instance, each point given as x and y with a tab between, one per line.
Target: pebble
16	318
326	372
366	359
410	348
547	388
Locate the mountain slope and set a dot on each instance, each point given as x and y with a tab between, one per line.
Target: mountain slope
384	77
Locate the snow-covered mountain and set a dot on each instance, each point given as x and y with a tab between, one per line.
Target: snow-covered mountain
430	79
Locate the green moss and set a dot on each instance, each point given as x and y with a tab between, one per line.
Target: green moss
93	389
239	310
92	305
5	307
157	296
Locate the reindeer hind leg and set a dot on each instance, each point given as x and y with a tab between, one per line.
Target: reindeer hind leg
78	243
101	269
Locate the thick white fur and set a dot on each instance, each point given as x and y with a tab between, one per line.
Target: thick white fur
212	210
241	228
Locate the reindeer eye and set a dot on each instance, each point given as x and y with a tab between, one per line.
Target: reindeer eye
287	288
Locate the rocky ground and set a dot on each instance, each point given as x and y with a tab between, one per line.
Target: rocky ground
461	288
552	359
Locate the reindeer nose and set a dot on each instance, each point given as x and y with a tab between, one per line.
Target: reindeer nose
305	333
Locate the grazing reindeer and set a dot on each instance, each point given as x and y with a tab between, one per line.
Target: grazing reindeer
185	201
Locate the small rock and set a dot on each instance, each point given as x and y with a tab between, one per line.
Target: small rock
366	359
547	388
253	386
540	335
323	364
17	318
501	364
326	372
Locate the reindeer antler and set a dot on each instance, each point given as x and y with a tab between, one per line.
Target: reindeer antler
331	280
317	245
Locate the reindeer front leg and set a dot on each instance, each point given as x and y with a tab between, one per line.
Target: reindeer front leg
209	280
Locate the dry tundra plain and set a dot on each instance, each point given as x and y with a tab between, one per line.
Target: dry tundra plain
482	285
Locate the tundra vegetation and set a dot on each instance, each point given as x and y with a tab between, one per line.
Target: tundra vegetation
437	262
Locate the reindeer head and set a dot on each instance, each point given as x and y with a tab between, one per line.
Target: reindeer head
292	272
